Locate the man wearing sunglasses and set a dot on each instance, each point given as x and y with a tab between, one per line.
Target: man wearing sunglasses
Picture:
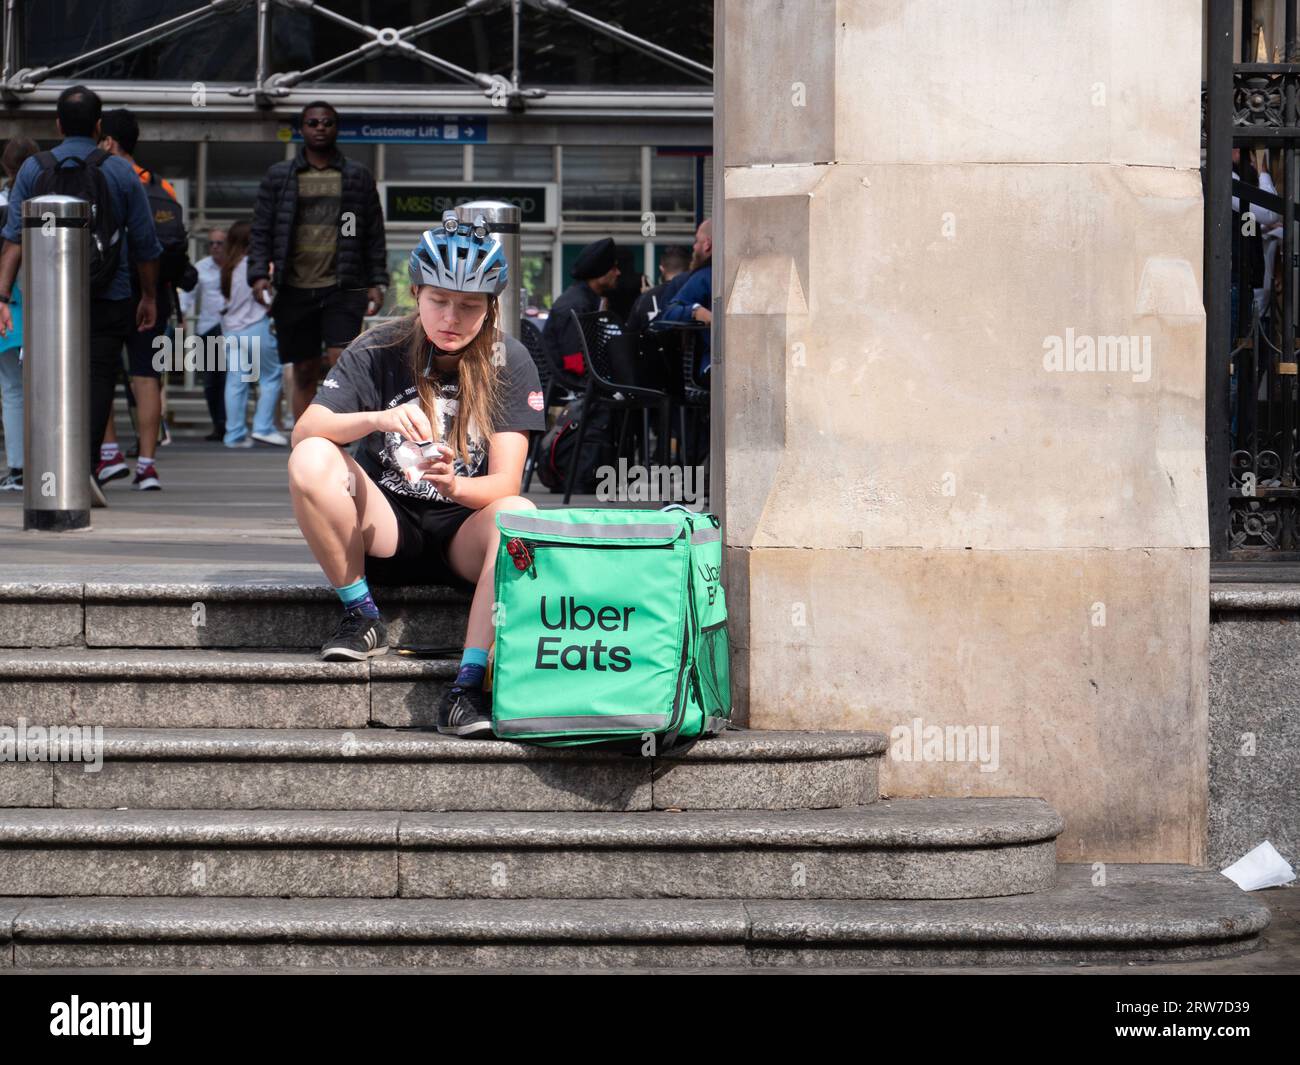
318	237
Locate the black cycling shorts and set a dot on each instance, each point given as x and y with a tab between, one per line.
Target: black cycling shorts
140	347
308	319
423	532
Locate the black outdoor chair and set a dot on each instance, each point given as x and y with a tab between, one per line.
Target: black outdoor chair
553	389
610	357
677	344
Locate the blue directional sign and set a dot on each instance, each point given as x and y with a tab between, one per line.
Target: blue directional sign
409	129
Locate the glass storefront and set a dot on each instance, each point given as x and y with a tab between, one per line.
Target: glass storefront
424	162
514	162
600	194
602	183
234	176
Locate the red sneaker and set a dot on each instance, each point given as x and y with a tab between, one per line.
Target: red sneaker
146	478
111	469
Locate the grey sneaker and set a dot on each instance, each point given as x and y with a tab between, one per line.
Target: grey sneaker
466	712
356	639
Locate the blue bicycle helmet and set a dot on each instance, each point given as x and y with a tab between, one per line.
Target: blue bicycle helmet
460	256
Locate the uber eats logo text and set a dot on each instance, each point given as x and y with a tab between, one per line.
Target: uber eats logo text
711	575
576	619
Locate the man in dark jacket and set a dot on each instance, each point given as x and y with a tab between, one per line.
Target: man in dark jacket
318	233
673	260
595	274
691	300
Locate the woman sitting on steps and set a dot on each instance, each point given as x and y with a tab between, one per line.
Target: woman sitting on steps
445	373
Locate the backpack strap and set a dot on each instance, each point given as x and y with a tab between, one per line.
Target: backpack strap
47	160
97	158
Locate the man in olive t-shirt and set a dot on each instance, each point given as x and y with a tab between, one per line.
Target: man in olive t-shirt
319	229
313	263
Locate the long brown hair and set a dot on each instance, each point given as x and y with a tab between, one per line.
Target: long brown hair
237	240
479	370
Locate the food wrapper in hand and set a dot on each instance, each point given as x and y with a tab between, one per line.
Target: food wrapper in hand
410	453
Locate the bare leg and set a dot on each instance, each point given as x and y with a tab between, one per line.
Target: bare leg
110	430
306	379
286	393
473	555
148	412
342	513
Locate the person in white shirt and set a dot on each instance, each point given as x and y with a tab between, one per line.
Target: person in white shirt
251	352
207	294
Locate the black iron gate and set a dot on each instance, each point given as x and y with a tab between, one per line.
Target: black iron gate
1252	411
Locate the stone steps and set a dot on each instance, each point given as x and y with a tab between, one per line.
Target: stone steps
266	614
257	807
385	769
891	849
169	688
1144	914
907	848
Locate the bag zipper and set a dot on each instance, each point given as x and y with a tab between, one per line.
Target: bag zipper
679	711
531	546
674	724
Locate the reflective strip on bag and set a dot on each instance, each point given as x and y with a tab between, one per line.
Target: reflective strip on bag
582	722
522	523
706	536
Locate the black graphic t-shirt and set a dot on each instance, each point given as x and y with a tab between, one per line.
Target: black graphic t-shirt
372	374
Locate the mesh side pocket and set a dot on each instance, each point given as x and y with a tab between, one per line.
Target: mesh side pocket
714	665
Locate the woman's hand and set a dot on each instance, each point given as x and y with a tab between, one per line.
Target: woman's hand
409	420
441	473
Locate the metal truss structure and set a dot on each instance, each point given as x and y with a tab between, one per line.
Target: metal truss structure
19	83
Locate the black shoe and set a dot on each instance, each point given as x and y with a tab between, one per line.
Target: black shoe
465	712
216	434
356	639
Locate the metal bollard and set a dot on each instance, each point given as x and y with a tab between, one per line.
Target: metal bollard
503	220
56	363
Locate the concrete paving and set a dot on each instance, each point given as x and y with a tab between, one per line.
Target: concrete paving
222	514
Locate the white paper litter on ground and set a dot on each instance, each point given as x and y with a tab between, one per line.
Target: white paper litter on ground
1261	868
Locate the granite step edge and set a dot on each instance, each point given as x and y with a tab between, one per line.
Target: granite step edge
1142	914
898	824
383	744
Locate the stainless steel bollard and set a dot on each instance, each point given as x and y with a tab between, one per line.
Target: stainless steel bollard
56	363
503	220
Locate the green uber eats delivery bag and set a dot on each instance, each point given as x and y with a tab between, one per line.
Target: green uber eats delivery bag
610	625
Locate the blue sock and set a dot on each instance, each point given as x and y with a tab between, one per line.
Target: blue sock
356	597
473	668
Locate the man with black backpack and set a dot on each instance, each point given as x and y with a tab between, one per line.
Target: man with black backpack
119	135
121	233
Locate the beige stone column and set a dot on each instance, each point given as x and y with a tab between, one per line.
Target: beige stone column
937	516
